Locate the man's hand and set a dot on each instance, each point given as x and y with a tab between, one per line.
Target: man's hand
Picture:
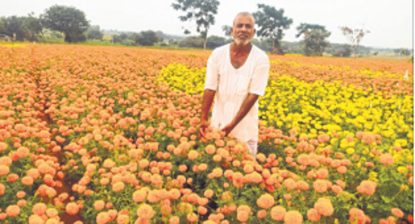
202	130
227	129
243	110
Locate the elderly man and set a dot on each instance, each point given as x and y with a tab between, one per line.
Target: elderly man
237	73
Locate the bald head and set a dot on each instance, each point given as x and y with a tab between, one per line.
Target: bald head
244	14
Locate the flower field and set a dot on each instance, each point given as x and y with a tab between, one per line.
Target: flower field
93	134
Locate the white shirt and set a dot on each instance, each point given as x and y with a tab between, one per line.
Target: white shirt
233	85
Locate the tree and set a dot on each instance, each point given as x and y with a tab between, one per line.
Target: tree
192	42
354	36
147	38
314	38
13	27
94	33
202	11
343	50
227	30
68	20
271	23
21	28
215	41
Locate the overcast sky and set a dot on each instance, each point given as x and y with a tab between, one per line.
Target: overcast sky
390	21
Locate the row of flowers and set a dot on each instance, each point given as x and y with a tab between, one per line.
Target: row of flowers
127	148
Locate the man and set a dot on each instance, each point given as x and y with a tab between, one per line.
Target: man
237	73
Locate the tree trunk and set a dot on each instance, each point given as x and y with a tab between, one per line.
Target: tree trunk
205	43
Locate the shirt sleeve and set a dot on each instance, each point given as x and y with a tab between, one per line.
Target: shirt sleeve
212	74
260	79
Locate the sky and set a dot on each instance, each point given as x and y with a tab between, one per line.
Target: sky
390	22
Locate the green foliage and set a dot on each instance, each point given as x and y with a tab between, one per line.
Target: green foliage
215	41
68	20
94	33
147	38
314	38
202	11
192	42
21	28
271	23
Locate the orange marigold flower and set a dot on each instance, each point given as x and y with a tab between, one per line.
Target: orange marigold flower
262	214
123	219
293	217
35	219
320	185
174	220
12	210
356	216
313	215
4	170
139	195
366	187
265	201
39	209
103	218
324	207
145	211
386	159
99	205
290	184
243	212
72	208
278	213
118	186
253	177
397	212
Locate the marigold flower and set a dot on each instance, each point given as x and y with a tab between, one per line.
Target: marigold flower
397	212
4	170
103	218
386	159
366	187
265	201
356	215
123	219
39	208
293	217
72	208
313	215
27	180
174	220
118	186
99	205
35	219
320	185
145	211
324	207
12	210
278	213
290	184
242	213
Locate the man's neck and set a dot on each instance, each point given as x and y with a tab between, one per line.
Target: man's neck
240	48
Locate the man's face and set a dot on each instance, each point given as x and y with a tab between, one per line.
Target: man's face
243	30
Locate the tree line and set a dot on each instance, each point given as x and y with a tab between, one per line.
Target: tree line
71	25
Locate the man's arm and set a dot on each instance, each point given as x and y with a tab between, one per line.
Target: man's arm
247	104
207	101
